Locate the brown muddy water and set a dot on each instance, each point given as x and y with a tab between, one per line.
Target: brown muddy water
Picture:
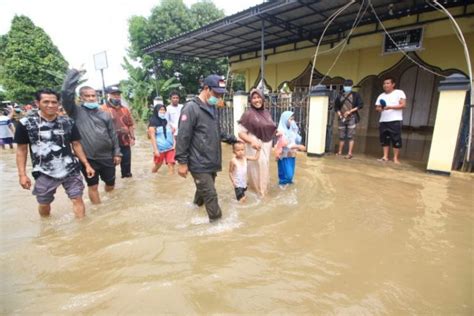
350	237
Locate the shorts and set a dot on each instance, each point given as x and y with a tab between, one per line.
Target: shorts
6	141
167	157
240	193
391	133
347	128
45	187
105	168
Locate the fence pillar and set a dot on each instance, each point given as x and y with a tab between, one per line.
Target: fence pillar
239	104
448	120
317	120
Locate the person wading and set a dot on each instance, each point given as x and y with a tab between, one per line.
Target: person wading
50	137
256	129
98	137
198	147
123	127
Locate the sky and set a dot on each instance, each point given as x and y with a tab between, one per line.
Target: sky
83	28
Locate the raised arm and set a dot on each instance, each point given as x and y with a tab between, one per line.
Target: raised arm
68	91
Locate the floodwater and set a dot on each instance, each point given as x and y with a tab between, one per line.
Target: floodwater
350	237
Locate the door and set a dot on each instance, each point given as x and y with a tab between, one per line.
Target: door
419	87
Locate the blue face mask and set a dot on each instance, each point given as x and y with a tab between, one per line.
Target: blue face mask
161	115
293	125
212	100
347	89
91	105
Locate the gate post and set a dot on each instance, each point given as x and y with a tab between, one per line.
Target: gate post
239	104
317	120
448	120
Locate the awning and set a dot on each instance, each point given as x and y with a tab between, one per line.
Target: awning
285	22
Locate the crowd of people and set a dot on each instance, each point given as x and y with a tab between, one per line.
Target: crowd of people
94	138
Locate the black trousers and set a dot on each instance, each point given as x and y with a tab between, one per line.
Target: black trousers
206	194
126	164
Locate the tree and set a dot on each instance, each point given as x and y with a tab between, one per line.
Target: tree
139	87
171	18
29	60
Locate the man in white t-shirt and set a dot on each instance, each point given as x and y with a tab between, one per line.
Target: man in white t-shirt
173	111
390	104
6	129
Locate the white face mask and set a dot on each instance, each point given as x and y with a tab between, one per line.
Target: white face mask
347	89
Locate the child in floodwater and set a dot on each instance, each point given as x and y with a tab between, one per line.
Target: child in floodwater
238	169
289	142
162	140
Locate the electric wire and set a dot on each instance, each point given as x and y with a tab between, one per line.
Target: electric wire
401	49
328	22
354	26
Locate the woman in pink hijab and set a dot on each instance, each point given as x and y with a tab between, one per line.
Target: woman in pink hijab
256	129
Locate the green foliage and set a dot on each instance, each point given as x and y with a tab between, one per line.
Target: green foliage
238	82
137	88
205	12
29	61
171	18
165	87
140	86
3	96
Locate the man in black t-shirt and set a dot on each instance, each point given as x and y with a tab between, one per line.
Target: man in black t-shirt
50	137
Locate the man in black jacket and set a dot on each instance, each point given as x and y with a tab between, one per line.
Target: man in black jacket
347	105
198	147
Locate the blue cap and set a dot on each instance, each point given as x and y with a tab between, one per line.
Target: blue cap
216	83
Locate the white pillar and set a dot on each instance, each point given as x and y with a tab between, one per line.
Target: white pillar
317	120
447	125
239	103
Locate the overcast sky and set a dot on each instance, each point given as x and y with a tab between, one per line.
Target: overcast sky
82	28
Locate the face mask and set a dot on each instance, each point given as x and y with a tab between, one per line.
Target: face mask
347	89
91	105
293	125
115	102
212	100
162	116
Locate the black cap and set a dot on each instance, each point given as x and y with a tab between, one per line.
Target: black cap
348	82
216	83
112	89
